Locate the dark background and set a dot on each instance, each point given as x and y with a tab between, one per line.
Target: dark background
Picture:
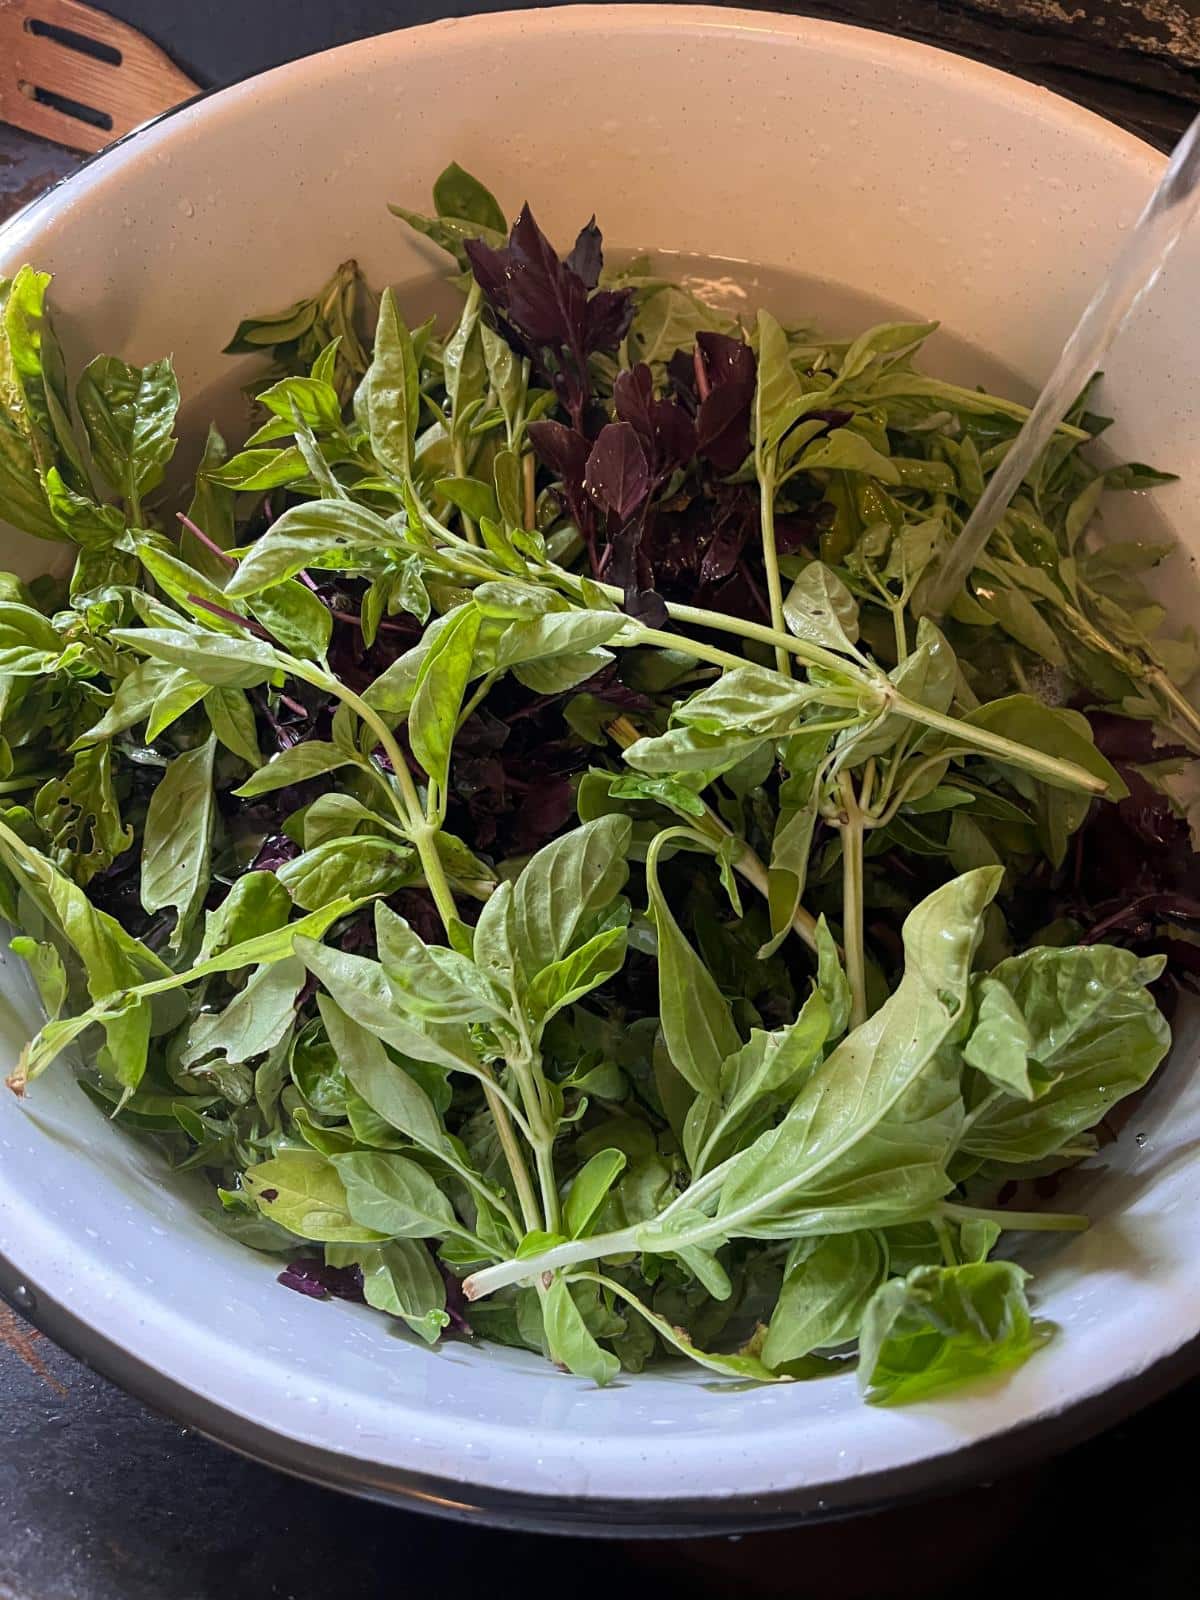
101	1500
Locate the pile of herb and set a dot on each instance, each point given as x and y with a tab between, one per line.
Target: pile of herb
520	833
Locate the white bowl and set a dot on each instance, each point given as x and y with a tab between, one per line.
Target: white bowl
857	160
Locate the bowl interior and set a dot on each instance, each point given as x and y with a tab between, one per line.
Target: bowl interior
854	172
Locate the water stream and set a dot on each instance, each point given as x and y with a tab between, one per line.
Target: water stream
1170	208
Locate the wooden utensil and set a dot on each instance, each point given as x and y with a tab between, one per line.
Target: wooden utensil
74	75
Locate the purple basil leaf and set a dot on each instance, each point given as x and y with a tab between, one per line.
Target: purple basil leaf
545	810
609	315
681	373
674	436
587	256
315	1279
633	399
546	300
275	849
730	532
723	428
488	265
564	450
723	420
647	607
618	474
664	428
728	363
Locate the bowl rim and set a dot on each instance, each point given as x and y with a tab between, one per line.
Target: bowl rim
582	1516
1004	1449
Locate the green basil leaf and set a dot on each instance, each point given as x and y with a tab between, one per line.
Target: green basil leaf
832	980
360	987
441	682
80	817
999	1042
1092	1034
318	533
748	700
589	1190
570	1343
254	1021
697	1020
311	759
297	618
943	1326
391	1092
428	981
129	414
767	1071
394	1196
362	866
48	971
827	1285
402	1279
1053	730
565	887
867	1139
212	511
302	1191
457	194
578	973
393	392
257	904
177	841
821	610
231	717
213	659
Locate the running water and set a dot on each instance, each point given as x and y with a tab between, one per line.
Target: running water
1169	210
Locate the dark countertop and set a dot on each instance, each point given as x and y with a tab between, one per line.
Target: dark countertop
102	1500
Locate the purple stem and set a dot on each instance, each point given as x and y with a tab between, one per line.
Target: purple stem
231	616
209	544
355	621
251	627
759	597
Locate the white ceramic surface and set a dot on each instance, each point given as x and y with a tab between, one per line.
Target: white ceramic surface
899	171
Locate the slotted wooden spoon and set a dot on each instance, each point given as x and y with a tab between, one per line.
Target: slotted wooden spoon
74	75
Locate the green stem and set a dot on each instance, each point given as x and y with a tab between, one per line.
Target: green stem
473	1181
635	635
460	467
850	823
481	693
770	556
594	1248
881	818
548	1183
947	1246
529	469
1017	1221
27	780
411	813
526	1198
424	836
1063	774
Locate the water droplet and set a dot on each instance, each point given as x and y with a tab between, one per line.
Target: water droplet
1139	1139
187	208
24	1298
